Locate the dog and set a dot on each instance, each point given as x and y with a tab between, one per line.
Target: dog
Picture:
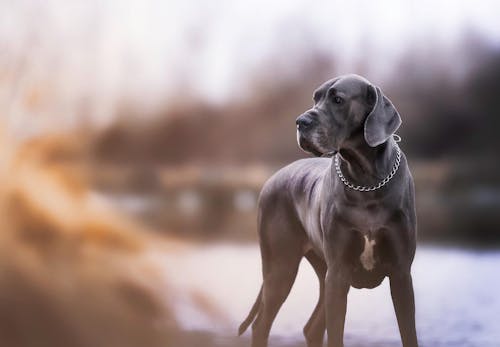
350	213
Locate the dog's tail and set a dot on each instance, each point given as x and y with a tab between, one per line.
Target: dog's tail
251	315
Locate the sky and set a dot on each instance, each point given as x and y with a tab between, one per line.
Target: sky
68	62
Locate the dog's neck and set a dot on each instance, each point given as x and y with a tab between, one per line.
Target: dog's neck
364	165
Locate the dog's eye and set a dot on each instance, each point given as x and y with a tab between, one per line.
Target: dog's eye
338	100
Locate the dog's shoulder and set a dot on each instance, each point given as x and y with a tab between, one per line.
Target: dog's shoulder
302	168
296	176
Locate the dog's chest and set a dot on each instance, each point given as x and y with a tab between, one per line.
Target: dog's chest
367	257
365	239
364	218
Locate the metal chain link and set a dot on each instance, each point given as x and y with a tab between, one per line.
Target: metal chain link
372	188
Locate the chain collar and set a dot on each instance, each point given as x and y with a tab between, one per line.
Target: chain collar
378	185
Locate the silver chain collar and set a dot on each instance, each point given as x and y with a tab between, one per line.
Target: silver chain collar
375	187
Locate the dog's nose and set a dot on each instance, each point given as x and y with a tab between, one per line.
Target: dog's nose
303	122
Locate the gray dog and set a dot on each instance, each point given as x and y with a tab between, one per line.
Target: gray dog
351	216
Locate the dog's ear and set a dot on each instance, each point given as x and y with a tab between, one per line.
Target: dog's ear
383	120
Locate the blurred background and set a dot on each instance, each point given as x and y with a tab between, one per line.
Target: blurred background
135	136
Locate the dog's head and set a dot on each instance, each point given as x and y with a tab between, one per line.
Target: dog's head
346	110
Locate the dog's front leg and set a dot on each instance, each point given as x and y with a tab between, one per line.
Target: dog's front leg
336	289
404	305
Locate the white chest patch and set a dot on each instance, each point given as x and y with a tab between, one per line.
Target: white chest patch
366	258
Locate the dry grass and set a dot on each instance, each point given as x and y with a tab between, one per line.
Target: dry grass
73	272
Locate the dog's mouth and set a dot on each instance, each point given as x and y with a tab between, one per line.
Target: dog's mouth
329	154
308	147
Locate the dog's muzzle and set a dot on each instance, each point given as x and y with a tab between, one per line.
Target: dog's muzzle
303	122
